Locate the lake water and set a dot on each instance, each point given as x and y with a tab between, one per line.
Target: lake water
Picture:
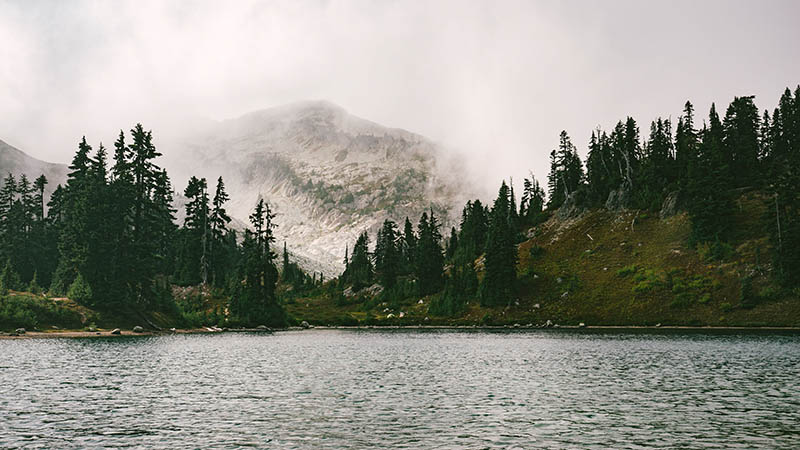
403	388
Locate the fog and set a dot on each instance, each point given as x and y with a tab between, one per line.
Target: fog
495	82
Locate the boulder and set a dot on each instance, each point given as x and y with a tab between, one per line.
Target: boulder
116	331
20	331
670	206
263	328
138	329
305	324
374	290
548	324
572	207
581	325
619	198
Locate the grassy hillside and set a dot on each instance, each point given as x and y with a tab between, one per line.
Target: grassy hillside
606	268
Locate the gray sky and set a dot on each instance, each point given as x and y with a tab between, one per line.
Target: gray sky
495	80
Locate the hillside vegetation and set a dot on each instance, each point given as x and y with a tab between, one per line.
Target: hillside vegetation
611	268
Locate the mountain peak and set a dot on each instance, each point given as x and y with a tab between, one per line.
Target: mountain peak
327	174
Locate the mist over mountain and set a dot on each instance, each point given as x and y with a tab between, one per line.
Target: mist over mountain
327	174
16	162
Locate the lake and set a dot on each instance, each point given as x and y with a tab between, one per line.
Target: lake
404	388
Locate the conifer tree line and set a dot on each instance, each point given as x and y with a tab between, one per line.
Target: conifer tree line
434	264
108	238
704	165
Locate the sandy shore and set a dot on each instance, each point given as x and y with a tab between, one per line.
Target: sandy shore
107	333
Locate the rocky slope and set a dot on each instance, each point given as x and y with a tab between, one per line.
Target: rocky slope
14	161
328	175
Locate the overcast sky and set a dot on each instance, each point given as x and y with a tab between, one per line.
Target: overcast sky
495	80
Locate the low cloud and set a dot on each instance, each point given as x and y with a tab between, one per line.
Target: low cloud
494	81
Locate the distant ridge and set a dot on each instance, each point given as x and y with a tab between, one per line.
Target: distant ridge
17	162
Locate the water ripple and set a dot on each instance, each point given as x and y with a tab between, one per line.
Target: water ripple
404	389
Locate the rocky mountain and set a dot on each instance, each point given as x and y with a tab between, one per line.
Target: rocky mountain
327	174
16	162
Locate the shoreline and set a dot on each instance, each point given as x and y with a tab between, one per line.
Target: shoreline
129	333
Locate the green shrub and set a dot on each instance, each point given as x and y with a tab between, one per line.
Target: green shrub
747	298
627	270
715	251
536	251
643	286
769	293
678	287
28	312
725	307
681	300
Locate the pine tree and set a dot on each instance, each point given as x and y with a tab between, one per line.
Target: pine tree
785	176
686	143
197	223
429	261
33	286
39	185
656	172
408	247
501	254
164	226
359	271
599	168
98	228
255	301
452	244
474	226
387	254
80	291
9	279
73	242
532	202
710	203
513	214
741	129
219	226
566	172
